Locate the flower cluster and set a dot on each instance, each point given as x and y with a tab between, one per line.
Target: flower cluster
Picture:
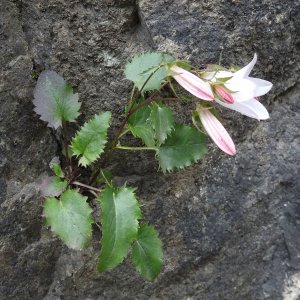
234	90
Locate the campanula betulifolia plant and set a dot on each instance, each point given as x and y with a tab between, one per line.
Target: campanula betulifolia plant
157	79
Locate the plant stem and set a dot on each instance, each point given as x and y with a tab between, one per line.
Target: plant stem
106	180
132	99
119	132
121	128
86	186
149	77
124	132
135	148
65	141
173	89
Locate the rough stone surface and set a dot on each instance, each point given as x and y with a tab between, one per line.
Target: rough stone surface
230	226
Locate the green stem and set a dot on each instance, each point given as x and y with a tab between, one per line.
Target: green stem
121	128
135	148
131	101
124	132
149	77
106	180
173	89
65	141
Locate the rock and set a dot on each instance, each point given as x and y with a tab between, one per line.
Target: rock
230	226
203	30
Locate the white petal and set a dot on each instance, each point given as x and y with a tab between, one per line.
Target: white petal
261	86
242	88
224	74
244	72
251	108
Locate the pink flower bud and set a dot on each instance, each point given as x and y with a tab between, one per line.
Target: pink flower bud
216	131
192	83
224	94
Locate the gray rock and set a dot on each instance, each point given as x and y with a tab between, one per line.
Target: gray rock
230	226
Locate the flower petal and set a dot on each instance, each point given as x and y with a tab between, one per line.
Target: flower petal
224	74
244	89
192	83
261	86
251	108
217	132
244	72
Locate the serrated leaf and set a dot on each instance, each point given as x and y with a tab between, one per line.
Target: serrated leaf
147	252
142	66
53	186
184	146
54	100
162	122
70	218
144	132
90	140
120	214
140	125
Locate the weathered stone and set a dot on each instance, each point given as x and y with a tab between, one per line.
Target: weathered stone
201	30
230	226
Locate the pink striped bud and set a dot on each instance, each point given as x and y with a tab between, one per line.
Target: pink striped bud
216	131
224	94
192	83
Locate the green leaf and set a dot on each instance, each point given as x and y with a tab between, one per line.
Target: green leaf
70	218
120	214
54	100
53	186
143	66
90	140
147	252
162	122
56	168
183	146
140	125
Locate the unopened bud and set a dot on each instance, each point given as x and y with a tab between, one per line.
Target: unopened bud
224	94
216	131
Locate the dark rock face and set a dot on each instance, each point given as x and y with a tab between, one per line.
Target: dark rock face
202	29
230	226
